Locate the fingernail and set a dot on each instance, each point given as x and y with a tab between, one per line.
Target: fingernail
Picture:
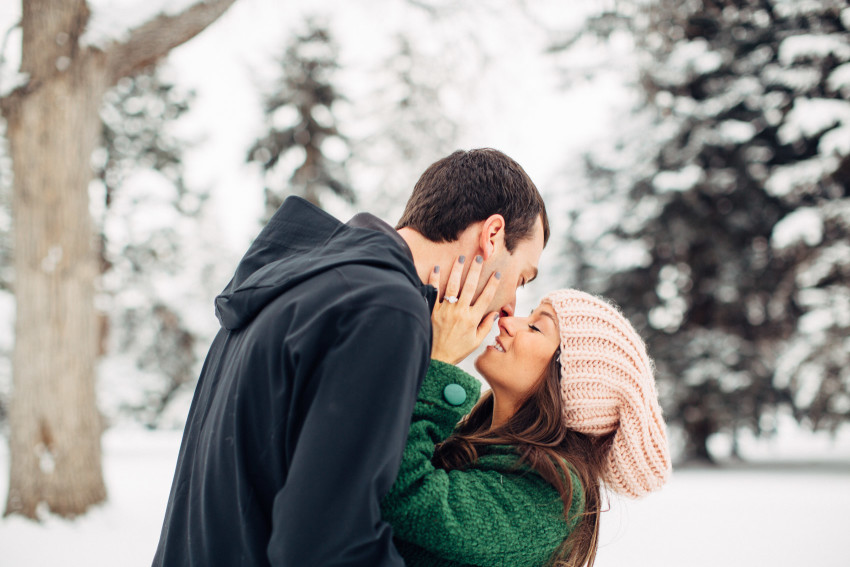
436	269
461	260
498	275
479	259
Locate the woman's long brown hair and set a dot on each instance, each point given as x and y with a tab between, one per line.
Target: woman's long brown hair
545	445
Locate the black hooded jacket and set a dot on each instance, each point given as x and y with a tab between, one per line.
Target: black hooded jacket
302	408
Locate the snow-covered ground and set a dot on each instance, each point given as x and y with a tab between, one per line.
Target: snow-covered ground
138	465
746	516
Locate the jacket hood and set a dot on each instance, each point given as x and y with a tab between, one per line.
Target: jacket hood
300	241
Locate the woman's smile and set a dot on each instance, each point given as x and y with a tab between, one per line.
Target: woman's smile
528	344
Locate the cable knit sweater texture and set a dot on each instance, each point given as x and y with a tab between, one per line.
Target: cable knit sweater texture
494	513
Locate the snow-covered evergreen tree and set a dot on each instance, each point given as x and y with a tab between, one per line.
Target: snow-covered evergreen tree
303	136
153	267
404	126
725	212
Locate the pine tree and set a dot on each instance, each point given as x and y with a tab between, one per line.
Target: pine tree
300	117
143	259
406	127
737	212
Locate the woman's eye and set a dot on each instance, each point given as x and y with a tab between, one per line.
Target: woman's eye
533	328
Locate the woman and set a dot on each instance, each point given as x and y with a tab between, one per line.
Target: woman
572	407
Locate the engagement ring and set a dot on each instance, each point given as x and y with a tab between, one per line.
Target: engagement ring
451	299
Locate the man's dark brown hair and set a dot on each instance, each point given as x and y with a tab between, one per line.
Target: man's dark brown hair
469	186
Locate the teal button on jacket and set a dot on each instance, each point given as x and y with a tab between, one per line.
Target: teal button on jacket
494	513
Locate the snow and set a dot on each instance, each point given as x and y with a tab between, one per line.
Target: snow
696	57
823	264
112	20
801	176
807	46
625	255
596	220
736	131
52	259
836	142
10	56
811	324
839	78
738	91
138	467
804	224
687	59
62	63
739	517
735	516
147	189
788	361
799	79
800	8
682	180
668	316
811	116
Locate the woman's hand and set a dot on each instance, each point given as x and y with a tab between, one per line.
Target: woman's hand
460	326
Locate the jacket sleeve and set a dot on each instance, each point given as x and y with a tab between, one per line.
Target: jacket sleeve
348	451
478	515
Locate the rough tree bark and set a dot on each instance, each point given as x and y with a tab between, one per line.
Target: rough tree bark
52	128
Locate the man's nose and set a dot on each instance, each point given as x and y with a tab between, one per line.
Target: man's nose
508	309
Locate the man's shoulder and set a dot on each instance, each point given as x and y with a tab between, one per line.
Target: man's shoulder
375	286
355	292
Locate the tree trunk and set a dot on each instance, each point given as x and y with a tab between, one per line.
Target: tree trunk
52	131
696	445
52	127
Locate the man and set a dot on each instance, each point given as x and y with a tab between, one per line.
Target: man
302	408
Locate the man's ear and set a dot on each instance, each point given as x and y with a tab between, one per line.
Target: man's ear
492	235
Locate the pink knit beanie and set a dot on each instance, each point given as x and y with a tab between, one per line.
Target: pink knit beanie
607	385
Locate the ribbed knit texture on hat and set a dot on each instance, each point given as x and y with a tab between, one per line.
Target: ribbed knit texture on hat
607	385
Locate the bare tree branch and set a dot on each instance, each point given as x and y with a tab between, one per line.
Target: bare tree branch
154	39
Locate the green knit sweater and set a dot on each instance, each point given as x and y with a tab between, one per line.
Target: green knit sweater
490	514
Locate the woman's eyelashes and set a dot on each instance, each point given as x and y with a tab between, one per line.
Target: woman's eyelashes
533	328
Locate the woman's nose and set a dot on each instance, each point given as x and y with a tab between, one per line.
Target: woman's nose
510	324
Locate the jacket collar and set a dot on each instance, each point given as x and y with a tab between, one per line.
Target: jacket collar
371	222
